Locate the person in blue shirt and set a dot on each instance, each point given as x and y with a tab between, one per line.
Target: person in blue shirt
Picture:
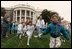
14	27
68	28
55	29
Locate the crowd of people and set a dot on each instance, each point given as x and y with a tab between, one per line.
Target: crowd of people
55	29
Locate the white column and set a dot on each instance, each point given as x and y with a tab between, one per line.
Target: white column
13	15
16	15
30	14
20	15
33	18
25	15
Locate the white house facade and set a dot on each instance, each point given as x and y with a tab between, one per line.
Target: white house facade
24	12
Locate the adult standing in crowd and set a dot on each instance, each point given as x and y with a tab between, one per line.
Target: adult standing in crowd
4	24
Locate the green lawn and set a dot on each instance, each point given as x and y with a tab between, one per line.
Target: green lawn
14	42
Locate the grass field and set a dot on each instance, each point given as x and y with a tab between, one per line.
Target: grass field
14	42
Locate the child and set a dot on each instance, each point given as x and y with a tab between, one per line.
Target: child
14	25
40	24
30	29
67	26
20	30
55	30
24	28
